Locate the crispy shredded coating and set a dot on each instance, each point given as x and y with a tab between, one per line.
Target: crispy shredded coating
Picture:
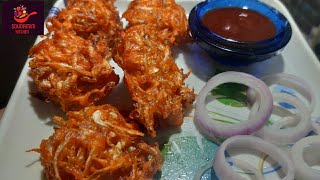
97	20
154	81
85	17
71	68
164	14
69	71
97	143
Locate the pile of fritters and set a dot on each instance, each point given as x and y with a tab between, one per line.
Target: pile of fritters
97	143
154	81
71	68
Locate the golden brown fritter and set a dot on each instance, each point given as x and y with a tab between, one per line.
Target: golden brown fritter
97	143
86	17
154	81
96	20
152	77
69	71
164	14
71	68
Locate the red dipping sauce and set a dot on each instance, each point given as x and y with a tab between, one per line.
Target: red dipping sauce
239	24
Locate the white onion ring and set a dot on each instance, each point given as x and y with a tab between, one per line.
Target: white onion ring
316	125
286	121
255	122
288	118
295	83
278	110
237	162
224	171
289	135
244	165
303	171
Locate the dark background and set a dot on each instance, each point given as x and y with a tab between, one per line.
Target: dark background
13	55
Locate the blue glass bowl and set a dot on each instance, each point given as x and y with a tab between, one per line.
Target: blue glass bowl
239	53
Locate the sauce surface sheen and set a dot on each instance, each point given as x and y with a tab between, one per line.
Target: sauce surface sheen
239	24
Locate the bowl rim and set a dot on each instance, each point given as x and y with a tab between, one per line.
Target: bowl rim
275	43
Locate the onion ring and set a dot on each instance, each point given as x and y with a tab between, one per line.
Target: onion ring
303	170
225	172
316	125
289	118
286	121
253	124
244	165
290	135
291	81
237	162
294	82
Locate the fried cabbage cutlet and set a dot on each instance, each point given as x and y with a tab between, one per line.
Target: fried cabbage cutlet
69	71
85	17
97	143
70	67
164	14
153	79
96	20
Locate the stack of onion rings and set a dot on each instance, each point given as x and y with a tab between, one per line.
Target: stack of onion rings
261	100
